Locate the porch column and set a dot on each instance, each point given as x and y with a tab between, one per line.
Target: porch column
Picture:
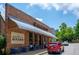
33	38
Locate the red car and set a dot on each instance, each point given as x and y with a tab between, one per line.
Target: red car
55	47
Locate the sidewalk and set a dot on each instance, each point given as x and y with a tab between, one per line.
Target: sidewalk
36	52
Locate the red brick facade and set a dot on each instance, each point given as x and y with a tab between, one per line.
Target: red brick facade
12	27
2	25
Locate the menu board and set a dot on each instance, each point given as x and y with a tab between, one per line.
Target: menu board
17	38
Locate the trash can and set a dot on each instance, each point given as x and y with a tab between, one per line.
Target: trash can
13	50
27	48
22	49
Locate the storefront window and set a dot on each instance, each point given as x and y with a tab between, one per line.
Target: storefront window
17	38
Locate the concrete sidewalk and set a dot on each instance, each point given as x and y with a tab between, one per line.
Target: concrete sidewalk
36	52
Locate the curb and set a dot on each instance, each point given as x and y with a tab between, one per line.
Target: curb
41	53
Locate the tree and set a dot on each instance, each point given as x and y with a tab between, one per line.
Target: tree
64	33
77	30
69	34
58	34
63	27
2	43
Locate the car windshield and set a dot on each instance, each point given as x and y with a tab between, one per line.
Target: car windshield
65	42
52	44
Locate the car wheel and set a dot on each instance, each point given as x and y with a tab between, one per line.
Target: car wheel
59	51
63	50
49	52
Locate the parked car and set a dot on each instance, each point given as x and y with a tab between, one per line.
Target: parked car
65	43
55	47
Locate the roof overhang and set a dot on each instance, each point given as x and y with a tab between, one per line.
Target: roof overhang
29	27
3	16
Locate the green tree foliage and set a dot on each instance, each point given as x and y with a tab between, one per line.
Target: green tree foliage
58	34
69	34
2	42
64	33
76	28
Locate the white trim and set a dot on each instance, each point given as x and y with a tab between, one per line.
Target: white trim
41	53
3	16
30	27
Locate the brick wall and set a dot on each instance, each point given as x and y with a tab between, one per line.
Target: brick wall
12	11
2	26
12	27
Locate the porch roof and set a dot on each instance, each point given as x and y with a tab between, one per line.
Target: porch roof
29	27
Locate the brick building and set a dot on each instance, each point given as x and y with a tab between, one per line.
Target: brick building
22	30
2	25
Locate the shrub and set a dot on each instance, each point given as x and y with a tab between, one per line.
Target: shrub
2	43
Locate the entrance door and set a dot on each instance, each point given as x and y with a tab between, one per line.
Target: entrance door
30	40
36	41
40	41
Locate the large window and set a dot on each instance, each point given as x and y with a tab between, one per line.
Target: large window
17	38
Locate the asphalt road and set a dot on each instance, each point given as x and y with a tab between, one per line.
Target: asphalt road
72	49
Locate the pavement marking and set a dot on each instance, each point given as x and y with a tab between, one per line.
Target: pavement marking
41	53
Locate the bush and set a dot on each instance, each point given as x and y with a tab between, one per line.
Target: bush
2	43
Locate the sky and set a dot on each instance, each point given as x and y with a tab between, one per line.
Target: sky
2	10
52	14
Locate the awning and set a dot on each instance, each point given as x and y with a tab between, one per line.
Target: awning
3	16
29	27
